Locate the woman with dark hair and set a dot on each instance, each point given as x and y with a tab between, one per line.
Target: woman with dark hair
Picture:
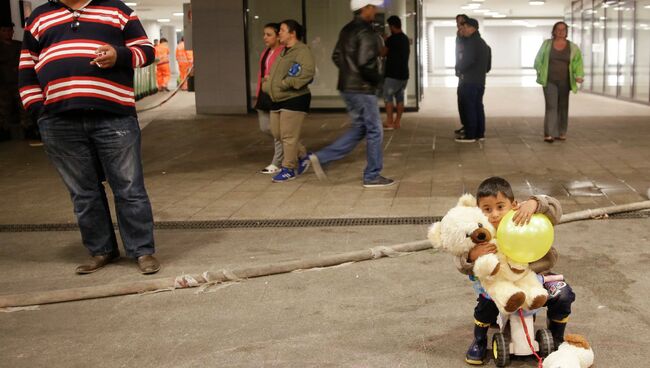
559	70
287	85
264	103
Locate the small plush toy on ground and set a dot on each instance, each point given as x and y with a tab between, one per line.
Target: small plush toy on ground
574	352
512	285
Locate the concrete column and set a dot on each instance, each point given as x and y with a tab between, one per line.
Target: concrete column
169	32
152	28
219	56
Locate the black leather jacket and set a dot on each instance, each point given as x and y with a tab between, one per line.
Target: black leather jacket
357	56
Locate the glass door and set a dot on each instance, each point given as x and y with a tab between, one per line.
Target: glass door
598	48
586	45
642	64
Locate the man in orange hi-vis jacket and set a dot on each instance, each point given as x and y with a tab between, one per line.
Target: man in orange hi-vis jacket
184	62
162	68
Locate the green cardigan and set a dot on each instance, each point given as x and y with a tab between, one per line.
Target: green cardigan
575	66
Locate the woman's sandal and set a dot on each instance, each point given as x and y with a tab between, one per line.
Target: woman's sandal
548	139
561	138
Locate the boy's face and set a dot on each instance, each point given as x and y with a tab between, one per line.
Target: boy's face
495	207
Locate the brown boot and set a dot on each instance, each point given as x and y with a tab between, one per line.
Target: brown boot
97	262
148	264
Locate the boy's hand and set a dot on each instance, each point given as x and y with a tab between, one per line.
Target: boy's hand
481	249
524	211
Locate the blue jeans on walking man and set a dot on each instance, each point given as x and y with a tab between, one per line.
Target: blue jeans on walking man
88	148
366	122
471	109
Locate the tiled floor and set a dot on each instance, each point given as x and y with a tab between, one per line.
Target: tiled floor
204	167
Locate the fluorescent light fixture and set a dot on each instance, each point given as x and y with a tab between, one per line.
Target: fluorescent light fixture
498	15
536	2
164	20
481	10
478	1
470	6
179	14
179	29
131	4
647	6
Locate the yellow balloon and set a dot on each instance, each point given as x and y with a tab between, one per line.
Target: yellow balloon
526	243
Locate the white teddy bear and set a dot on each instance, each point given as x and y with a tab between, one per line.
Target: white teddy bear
511	285
574	352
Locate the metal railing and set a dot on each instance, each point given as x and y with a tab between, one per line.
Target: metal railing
144	81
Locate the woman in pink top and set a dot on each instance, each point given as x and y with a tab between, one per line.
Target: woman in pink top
263	104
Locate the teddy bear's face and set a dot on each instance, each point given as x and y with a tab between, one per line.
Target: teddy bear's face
461	228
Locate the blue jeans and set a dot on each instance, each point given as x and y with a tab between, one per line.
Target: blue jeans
472	111
88	148
366	122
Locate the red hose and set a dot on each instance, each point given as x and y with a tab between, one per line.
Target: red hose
523	323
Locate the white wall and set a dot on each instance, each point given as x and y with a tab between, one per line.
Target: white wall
152	28
505	42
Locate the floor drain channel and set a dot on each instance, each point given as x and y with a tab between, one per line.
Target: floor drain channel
273	223
244	224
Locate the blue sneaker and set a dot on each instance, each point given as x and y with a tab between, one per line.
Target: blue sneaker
284	175
303	164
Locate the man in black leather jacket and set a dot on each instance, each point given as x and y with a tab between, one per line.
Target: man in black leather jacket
357	55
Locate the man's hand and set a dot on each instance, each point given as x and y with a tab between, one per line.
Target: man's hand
106	57
481	249
524	212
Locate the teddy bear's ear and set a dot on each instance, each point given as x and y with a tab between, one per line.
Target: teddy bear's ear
466	200
434	235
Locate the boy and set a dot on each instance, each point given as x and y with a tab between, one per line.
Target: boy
495	198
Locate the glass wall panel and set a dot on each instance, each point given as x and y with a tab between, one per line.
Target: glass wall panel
598	48
626	48
587	40
259	13
612	49
325	18
642	66
576	23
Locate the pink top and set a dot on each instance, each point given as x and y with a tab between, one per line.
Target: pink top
270	59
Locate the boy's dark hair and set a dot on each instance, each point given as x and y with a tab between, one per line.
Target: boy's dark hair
273	26
394	21
491	187
163	40
294	26
464	16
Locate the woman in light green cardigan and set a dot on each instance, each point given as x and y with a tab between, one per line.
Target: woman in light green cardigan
559	70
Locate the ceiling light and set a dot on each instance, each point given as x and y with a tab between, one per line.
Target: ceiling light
481	10
536	2
131	4
164	20
470	6
498	15
179	14
478	1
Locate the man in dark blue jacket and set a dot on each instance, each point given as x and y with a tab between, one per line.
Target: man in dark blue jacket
472	68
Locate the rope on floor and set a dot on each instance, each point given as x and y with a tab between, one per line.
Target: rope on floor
224	276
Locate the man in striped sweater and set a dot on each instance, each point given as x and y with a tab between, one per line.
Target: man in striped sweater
76	79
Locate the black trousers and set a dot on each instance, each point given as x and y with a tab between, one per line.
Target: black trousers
558	305
471	109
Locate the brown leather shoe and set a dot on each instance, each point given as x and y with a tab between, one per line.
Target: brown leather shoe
148	264
97	263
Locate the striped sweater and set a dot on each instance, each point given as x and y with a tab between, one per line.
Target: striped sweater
55	74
